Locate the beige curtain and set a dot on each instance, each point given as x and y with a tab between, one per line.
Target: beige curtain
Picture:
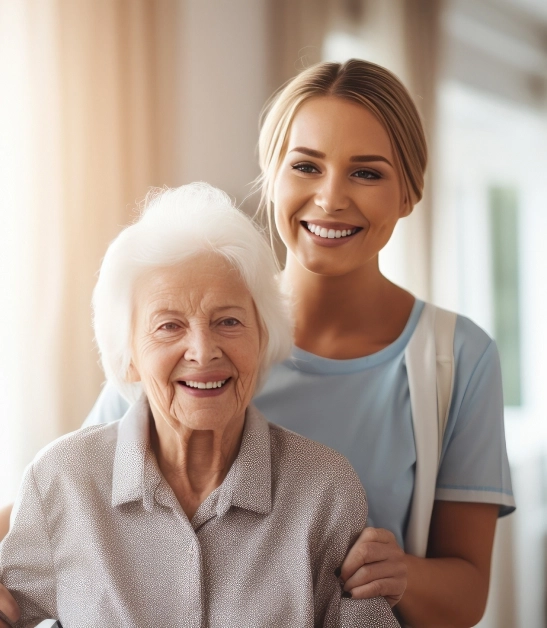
423	52
297	29
86	126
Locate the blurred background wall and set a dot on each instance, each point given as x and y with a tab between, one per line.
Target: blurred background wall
101	99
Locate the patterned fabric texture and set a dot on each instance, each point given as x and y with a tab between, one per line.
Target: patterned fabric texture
99	539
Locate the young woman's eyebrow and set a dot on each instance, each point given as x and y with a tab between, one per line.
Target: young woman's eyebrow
356	158
367	158
308	151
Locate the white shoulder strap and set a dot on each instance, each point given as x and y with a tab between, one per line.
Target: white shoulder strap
445	324
429	360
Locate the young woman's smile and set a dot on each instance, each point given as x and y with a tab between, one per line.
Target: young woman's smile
338	193
330	233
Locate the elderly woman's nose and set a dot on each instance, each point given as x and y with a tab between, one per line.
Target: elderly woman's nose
332	194
202	346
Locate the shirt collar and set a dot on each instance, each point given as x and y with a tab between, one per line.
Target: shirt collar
136	475
251	474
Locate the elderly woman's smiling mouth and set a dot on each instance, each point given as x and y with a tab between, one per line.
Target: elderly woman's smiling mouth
205	386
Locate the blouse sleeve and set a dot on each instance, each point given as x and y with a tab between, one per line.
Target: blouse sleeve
474	465
26	563
375	612
345	514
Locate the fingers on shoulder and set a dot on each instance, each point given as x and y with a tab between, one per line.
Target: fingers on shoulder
362	553
372	545
391	574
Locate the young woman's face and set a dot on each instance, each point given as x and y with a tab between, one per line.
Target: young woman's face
338	193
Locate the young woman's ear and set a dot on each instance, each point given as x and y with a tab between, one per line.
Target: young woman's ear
406	207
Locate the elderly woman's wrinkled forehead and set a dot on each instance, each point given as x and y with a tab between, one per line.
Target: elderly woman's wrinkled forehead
206	283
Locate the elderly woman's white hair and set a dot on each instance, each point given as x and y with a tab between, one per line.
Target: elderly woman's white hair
175	225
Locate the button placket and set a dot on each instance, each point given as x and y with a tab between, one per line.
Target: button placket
195	584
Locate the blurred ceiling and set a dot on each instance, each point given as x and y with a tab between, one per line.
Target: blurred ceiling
499	46
534	8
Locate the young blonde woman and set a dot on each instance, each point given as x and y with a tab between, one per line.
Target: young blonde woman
343	155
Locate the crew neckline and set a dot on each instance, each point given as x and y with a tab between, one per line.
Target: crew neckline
302	360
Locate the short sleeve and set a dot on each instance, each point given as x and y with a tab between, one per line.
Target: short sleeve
26	564
474	465
110	406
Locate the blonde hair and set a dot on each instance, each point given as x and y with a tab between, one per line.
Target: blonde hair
365	83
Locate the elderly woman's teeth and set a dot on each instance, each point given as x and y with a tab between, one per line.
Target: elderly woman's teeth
204	385
329	233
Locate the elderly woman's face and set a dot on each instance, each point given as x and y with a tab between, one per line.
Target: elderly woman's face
196	342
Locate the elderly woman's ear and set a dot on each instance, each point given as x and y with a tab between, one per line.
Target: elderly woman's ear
132	376
264	339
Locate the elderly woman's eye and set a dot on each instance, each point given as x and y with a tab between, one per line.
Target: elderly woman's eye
169	327
229	322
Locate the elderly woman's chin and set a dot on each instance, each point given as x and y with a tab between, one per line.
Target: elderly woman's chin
217	412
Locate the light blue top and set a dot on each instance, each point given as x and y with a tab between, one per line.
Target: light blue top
361	408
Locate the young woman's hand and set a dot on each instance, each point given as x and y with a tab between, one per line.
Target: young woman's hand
8	607
375	567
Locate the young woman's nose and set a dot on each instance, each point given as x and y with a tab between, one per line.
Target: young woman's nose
331	195
201	347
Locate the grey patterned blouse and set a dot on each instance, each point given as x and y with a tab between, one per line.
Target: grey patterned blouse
99	539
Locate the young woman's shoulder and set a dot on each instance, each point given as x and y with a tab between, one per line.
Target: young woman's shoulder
471	342
477	372
110	406
477	361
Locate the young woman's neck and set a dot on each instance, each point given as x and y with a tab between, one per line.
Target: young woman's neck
345	316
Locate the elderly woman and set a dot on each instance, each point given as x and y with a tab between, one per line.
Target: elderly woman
192	510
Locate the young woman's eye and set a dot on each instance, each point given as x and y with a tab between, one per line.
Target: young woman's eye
230	322
305	168
367	174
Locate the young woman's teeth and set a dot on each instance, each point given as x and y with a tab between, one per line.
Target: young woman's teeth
204	385
329	233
